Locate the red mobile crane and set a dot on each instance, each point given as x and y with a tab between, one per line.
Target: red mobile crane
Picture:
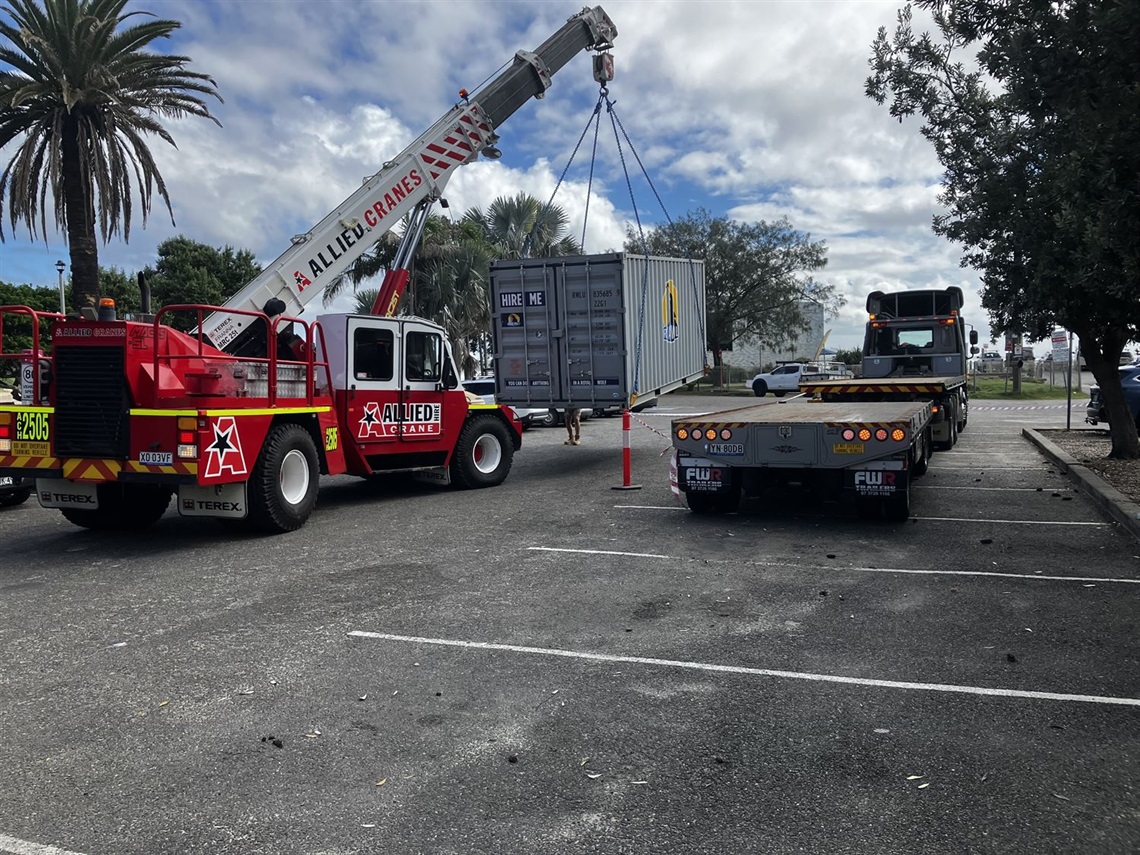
239	418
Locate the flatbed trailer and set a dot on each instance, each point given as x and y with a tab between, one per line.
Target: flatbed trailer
948	396
871	450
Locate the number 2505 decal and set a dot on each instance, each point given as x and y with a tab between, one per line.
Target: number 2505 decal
330	439
33	427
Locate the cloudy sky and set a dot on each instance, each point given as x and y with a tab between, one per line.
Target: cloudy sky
748	108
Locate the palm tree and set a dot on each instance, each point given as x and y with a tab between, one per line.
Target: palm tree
83	92
520	226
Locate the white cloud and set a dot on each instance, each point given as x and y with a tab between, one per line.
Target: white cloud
750	109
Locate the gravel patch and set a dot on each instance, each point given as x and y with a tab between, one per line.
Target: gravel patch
1091	448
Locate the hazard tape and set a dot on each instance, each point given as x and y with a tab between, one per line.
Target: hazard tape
650	427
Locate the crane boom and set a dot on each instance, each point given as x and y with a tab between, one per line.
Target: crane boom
417	175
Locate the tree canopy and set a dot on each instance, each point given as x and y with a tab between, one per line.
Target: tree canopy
757	275
81	90
191	272
1034	112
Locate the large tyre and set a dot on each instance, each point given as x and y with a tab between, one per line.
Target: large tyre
759	388
283	487
16	497
922	461
701	503
897	507
483	455
122	507
549	419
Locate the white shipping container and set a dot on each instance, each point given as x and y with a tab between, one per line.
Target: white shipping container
596	330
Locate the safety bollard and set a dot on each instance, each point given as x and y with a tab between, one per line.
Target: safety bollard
626	464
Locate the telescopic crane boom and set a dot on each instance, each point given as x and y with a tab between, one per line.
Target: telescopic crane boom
410	183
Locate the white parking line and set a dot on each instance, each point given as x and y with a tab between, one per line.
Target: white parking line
23	847
994	489
775	565
752	672
1008	522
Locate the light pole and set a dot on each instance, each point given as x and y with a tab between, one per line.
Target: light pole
60	267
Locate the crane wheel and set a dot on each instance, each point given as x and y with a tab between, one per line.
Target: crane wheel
122	507
483	455
283	487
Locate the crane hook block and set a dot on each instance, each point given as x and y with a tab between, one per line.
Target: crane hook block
604	67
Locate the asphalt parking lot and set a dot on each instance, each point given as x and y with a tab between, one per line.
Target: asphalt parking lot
555	666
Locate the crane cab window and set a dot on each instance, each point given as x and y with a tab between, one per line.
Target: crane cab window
372	354
423	357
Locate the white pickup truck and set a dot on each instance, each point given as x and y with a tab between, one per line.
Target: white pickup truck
787	377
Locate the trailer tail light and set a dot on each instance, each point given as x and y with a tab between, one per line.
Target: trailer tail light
710	433
881	434
898	434
682	433
848	434
726	434
865	434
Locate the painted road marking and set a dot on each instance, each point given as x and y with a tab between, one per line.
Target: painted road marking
753	672
23	847
776	565
995	489
1009	522
651	507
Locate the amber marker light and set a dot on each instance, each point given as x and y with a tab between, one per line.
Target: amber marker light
898	434
865	434
710	433
682	433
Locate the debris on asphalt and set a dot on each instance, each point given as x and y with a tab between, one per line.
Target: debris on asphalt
914	777
593	776
382	782
924	786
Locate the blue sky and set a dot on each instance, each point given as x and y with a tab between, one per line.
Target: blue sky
751	109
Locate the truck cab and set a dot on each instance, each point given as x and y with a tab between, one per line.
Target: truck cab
915	334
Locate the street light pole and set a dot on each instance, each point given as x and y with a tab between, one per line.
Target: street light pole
60	267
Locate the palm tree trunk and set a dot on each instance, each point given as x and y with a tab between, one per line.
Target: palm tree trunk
79	213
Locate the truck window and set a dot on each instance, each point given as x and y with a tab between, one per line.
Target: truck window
372	354
424	360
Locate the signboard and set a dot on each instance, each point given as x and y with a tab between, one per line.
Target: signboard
1060	340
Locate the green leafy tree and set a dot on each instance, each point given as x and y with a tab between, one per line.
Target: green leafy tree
121	288
853	356
1038	141
16	335
191	272
757	275
81	90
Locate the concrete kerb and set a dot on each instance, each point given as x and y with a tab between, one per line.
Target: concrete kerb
1104	495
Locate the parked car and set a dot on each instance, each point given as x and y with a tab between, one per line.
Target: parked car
786	378
484	388
1095	412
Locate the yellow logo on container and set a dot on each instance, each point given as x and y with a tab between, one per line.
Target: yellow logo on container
670	313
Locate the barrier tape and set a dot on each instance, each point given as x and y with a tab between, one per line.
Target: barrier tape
650	427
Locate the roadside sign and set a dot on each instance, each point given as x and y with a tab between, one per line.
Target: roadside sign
1060	340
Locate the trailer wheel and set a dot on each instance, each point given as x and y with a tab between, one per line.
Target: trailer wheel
700	503
759	388
897	507
122	507
547	419
283	487
922	462
483	455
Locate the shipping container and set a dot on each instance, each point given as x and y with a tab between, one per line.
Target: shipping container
596	330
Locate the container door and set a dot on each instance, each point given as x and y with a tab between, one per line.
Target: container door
527	351
591	309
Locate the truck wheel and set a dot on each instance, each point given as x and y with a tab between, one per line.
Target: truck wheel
727	503
483	454
548	419
122	507
700	503
759	388
922	460
897	507
283	487
17	497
